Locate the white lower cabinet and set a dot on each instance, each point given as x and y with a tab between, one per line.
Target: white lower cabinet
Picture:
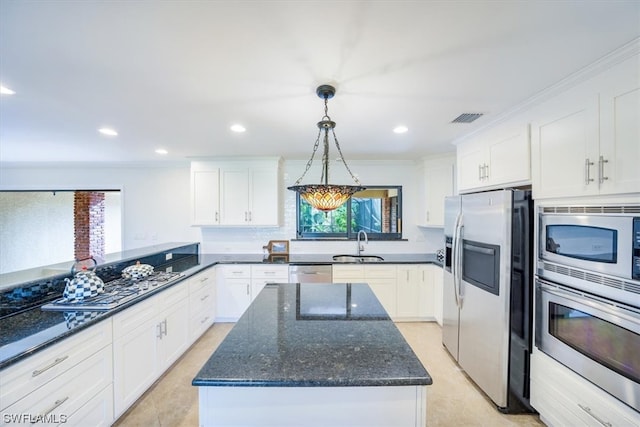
53	385
408	292
437	276
417	292
563	398
410	302
58	400
202	302
381	279
148	337
238	284
263	274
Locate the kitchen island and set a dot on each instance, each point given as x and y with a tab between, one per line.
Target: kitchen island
313	355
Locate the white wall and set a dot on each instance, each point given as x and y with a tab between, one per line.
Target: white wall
156	205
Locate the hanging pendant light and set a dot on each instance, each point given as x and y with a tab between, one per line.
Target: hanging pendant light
326	197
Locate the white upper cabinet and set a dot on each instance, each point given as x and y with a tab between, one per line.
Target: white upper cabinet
205	199
586	141
438	173
620	129
496	158
236	192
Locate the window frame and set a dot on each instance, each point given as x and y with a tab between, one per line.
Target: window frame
350	234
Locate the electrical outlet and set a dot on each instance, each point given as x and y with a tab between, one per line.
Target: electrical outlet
168	256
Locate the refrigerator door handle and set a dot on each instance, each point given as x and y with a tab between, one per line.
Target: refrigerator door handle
457	262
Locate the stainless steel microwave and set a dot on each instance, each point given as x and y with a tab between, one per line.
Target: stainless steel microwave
597	247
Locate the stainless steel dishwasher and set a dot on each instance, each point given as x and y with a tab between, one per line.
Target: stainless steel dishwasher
311	273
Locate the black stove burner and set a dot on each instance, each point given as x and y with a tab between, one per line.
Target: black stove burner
116	292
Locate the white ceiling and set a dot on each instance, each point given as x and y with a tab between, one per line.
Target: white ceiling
177	74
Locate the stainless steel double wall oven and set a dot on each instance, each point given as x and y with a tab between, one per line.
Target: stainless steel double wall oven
588	294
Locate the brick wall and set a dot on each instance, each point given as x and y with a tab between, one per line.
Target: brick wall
88	222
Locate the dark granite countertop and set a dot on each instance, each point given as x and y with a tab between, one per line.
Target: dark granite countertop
314	335
28	332
33	330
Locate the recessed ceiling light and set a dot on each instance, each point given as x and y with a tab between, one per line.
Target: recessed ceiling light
238	128
6	91
161	151
400	129
108	131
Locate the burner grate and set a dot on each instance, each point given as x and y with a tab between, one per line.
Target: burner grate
116	292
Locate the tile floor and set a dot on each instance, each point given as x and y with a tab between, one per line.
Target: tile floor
453	400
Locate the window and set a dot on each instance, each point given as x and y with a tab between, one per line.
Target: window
376	210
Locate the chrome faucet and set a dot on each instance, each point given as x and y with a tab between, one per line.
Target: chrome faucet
366	240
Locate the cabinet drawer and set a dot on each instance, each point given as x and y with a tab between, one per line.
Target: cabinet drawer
348	271
380	271
560	393
97	412
170	296
23	378
278	272
236	271
199	323
201	280
71	390
131	318
202	300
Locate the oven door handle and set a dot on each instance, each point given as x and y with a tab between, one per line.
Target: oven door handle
625	312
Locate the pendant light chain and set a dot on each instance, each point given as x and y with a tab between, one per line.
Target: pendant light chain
315	148
344	162
326	197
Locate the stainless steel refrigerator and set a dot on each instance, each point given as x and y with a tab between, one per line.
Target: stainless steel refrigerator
487	296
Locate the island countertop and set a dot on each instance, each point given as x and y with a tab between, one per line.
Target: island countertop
314	335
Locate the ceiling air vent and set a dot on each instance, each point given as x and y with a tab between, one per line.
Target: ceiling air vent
467	117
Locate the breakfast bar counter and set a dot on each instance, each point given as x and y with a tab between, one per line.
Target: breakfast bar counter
313	355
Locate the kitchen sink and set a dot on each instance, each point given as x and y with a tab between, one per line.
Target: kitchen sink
357	258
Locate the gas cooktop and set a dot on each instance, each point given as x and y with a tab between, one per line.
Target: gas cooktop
116	292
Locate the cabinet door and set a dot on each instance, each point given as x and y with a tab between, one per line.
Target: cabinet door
509	156
234	196
620	130
409	302
471	165
135	364
233	297
385	291
438	181
437	276
565	145
264	197
174	337
205	197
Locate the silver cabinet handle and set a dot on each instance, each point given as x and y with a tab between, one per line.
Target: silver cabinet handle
587	173
204	320
204	297
594	416
480	172
246	217
486	171
159	331
51	409
601	177
165	327
427	216
51	365
217	217
250	216
247	289
204	279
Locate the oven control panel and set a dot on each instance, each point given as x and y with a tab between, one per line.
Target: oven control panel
635	274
